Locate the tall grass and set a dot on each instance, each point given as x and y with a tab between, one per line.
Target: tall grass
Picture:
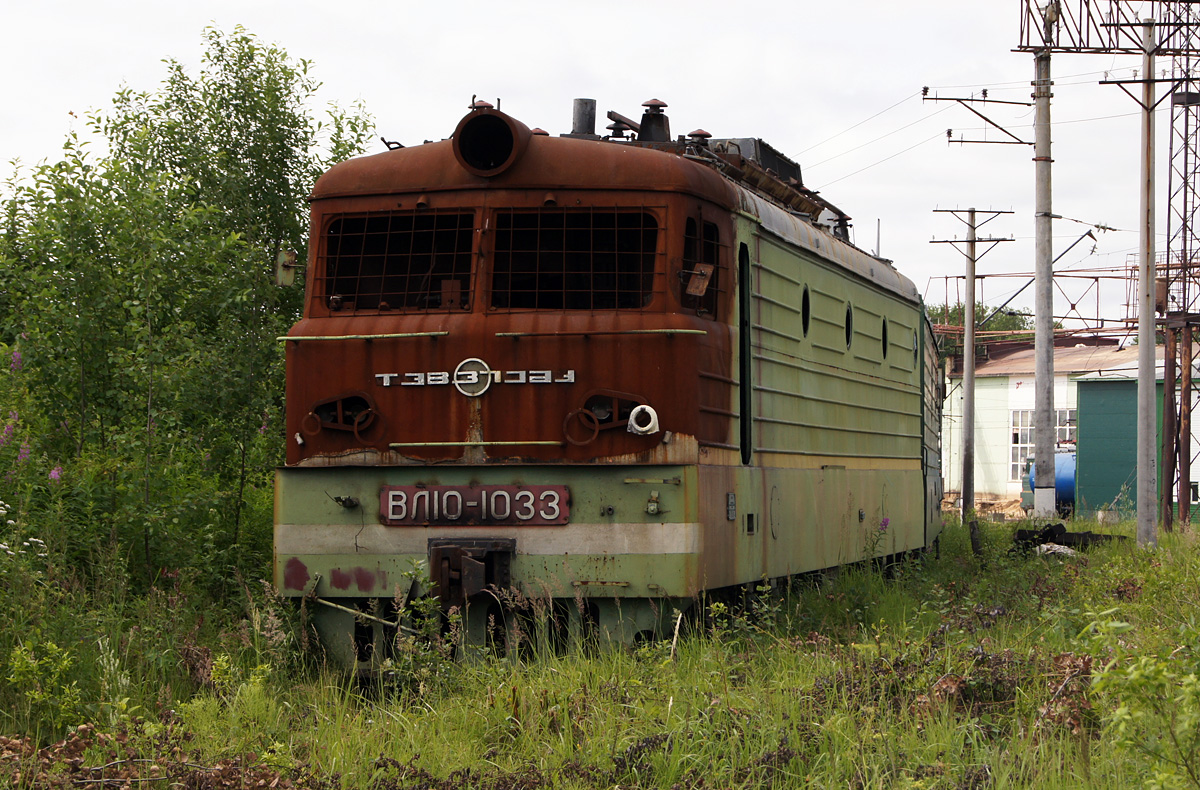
950	672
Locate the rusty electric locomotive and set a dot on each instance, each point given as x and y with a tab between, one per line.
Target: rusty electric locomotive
611	372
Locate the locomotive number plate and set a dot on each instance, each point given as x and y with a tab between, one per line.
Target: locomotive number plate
421	506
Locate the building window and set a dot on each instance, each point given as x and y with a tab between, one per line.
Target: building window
1022	437
1065	432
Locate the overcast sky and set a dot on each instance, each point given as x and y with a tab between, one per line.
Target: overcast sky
836	86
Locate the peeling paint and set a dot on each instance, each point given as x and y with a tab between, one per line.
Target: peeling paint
295	574
365	579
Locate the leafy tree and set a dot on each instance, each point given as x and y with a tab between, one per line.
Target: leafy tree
1011	324
140	302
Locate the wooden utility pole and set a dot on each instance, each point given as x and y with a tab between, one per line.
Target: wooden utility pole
1169	428
968	440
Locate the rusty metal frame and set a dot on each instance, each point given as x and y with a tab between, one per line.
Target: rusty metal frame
575	257
395	245
1103	27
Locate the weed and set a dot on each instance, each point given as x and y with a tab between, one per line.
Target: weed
39	670
1154	701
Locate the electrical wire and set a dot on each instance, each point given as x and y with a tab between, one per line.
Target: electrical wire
1100	226
860	123
1059	81
881	137
1025	83
881	161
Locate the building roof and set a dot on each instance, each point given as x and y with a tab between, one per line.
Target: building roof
1079	360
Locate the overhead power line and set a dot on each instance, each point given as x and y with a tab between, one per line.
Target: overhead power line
860	123
877	139
881	161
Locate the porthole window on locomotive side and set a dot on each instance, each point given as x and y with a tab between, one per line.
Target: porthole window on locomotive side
849	325
805	311
884	337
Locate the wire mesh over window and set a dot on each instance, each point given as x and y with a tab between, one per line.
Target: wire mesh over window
399	261
573	260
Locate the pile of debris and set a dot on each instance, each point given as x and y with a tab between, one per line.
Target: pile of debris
1055	539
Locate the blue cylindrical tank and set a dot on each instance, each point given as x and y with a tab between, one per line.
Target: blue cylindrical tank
1064	477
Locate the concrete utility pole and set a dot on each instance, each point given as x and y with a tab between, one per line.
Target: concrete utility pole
1044	422
968	440
1146	467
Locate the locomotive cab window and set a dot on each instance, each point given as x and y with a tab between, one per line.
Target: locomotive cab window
701	268
397	261
573	260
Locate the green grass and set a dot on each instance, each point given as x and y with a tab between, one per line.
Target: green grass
954	672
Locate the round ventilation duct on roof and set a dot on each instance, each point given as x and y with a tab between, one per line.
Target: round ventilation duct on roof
487	142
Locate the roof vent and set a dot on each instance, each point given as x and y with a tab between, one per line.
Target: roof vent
487	142
656	128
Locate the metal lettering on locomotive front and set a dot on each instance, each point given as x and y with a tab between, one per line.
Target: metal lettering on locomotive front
473	376
492	505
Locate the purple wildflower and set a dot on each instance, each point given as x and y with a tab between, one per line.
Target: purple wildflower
56	474
23	454
7	433
16	361
883	525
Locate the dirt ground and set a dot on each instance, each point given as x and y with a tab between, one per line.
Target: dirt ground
999	510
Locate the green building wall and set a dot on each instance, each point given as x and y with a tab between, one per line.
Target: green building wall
1106	445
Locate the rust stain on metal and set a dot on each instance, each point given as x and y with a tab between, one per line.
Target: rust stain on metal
495	425
409	372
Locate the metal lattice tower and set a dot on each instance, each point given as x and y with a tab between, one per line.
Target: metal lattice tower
1104	27
1182	275
1184	177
